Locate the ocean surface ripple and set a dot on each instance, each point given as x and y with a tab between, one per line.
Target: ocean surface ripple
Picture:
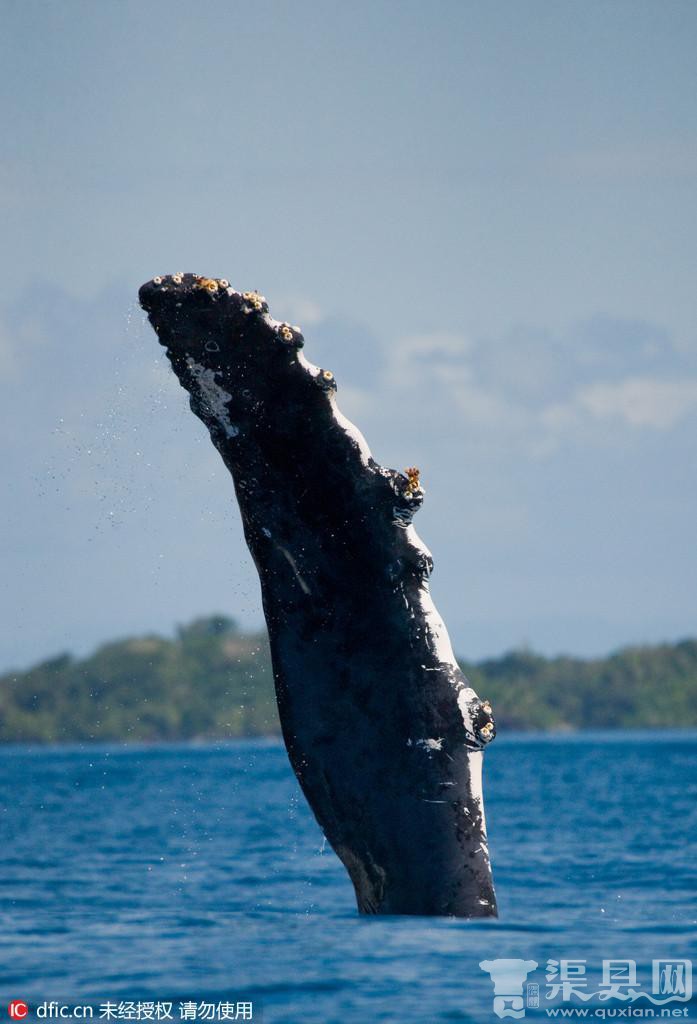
197	872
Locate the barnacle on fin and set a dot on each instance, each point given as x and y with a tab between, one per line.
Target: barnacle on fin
254	299
208	284
413	485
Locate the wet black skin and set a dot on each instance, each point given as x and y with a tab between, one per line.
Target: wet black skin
357	676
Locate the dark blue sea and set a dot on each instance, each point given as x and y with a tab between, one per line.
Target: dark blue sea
197	873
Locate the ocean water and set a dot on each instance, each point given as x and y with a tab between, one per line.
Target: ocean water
175	873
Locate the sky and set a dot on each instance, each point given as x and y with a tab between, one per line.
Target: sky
483	216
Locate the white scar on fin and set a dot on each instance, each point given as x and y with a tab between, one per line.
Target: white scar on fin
475	759
430	744
439	639
214	395
291	561
349	428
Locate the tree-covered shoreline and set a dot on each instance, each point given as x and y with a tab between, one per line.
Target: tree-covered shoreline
212	682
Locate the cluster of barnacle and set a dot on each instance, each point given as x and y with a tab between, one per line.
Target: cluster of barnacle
413	485
255	300
486	731
209	284
285	331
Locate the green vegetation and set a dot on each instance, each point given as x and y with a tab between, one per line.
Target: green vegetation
213	681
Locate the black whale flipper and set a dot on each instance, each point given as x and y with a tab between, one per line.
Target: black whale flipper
382	728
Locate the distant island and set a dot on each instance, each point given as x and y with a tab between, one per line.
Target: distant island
212	681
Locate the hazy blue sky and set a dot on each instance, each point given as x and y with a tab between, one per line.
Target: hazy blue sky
482	214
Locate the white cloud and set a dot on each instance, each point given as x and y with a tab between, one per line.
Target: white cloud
533	392
296	309
641	401
438	355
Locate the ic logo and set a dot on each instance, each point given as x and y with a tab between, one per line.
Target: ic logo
18	1009
508	977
